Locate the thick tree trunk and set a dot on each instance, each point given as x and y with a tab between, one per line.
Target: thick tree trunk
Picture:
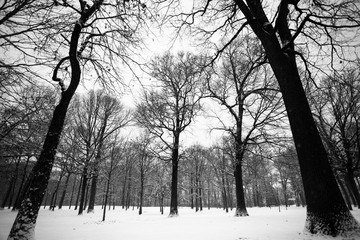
174	177
93	191
327	212
174	194
240	197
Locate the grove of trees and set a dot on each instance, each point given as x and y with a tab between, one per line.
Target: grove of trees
282	80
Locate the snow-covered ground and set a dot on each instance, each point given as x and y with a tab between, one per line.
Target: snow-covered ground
214	224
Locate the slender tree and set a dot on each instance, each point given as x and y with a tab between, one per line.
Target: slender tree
167	111
243	86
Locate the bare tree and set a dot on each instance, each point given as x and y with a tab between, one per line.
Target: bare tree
145	160
167	111
243	86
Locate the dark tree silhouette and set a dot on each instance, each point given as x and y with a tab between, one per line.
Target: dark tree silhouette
167	112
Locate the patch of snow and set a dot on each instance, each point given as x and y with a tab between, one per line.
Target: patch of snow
213	224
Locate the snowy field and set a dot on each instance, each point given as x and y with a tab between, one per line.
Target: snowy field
214	224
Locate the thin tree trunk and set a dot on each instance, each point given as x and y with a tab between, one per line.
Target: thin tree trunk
20	193
106	197
141	192
83	190
79	192
72	191
11	186
353	187
54	195
123	197
345	193
64	191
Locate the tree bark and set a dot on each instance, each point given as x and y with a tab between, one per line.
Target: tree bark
174	177
72	192
93	191
83	190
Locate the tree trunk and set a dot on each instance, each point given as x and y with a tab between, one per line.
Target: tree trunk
240	197
72	191
83	190
124	191
87	194
174	177
78	193
200	197
11	186
141	193
128	191
345	193
93	191
191	191
353	187
21	190
54	195
64	191
225	199
106	195
106	199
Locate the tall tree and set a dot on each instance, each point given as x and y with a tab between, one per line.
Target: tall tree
167	111
24	225
243	86
80	30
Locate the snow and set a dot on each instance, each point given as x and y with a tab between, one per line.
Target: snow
213	224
